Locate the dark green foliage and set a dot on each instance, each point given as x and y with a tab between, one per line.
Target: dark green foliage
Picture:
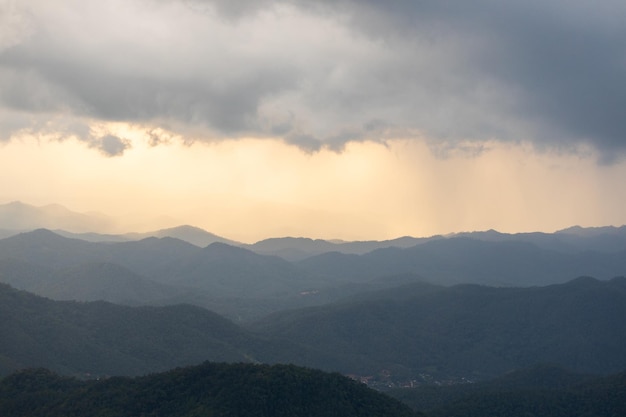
602	397
106	339
467	330
535	379
206	390
464	331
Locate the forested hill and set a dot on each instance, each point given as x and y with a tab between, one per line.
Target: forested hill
205	390
106	339
467	330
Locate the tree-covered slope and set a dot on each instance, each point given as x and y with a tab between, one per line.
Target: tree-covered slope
539	378
464	331
107	339
467	330
601	397
205	390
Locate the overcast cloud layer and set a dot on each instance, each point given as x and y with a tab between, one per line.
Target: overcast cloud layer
551	72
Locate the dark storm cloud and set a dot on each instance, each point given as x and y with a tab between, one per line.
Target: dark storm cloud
573	77
43	81
321	74
561	63
228	8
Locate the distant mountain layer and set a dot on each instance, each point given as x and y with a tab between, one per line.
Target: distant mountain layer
572	240
150	271
204	390
20	216
87	282
296	249
245	285
467	260
190	234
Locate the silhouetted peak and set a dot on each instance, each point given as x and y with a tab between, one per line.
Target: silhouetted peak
584	281
40	235
592	231
219	247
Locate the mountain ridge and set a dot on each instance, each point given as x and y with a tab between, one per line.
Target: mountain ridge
472	329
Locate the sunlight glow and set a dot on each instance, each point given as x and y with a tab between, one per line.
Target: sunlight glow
250	189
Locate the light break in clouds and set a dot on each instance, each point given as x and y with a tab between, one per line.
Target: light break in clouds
317	74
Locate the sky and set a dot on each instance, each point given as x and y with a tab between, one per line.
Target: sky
328	119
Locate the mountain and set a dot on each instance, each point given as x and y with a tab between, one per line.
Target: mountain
190	234
464	260
91	339
362	247
571	240
300	248
204	390
100	281
224	270
466	330
593	231
194	235
84	282
292	248
245	285
91	237
4	233
20	216
100	338
228	271
23	275
147	257
413	331
45	248
227	279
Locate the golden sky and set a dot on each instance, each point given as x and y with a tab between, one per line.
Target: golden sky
250	189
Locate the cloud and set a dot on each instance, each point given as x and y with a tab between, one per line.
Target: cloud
62	128
322	74
14	24
110	145
552	72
